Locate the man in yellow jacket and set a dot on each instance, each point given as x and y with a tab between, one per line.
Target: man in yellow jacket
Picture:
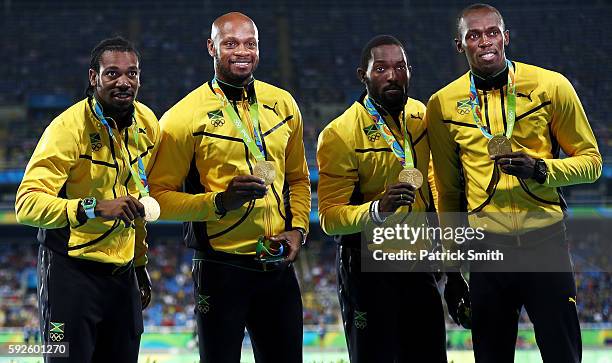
80	189
390	316
232	166
496	133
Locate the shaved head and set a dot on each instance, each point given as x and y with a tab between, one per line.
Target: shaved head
234	46
230	20
483	38
480	6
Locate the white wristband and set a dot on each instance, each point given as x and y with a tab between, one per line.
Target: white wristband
375	214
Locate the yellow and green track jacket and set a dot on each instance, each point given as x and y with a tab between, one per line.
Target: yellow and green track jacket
74	159
356	165
549	118
201	151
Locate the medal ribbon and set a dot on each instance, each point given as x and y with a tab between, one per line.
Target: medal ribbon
405	158
511	94
254	146
139	179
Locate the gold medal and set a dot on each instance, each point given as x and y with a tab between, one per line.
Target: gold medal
499	144
411	176
265	170
152	210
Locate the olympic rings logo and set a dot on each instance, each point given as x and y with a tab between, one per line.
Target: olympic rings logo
218	122
374	137
203	308
361	324
56	337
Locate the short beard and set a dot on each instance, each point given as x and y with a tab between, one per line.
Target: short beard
118	111
121	115
393	106
230	77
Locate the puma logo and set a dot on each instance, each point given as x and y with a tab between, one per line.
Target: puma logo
417	116
527	96
273	108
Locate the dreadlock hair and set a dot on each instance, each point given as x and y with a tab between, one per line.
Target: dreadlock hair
115	44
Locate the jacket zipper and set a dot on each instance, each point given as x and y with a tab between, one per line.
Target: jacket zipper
508	178
267	223
117	171
122	170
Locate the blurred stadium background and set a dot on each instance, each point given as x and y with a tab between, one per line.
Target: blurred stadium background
312	49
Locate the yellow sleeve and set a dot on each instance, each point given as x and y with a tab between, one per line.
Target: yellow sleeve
445	159
296	173
37	203
170	169
155	150
141	247
338	177
571	129
431	178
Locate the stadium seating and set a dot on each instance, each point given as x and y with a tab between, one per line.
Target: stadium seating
310	48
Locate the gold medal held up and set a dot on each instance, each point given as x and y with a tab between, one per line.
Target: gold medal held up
499	144
152	210
411	176
264	169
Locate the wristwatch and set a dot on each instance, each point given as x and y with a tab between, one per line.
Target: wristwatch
540	171
220	210
89	205
302	232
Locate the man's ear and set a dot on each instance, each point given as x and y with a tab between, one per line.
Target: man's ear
210	45
459	45
92	78
361	75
